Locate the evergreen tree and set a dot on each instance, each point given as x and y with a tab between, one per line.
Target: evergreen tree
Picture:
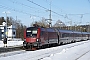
1	20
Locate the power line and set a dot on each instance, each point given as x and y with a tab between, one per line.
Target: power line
15	2
79	14
55	6
20	3
37	4
4	7
44	8
33	7
36	10
89	1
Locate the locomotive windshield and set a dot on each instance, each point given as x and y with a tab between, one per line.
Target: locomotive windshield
31	32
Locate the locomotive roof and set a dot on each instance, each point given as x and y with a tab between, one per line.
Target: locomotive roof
60	30
32	27
48	29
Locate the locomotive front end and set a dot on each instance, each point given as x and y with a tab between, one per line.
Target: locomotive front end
32	37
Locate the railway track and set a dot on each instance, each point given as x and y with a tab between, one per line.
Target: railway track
10	49
12	53
82	55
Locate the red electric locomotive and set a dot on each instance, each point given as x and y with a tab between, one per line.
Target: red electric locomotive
36	37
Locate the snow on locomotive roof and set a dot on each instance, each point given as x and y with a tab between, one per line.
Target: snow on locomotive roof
43	29
81	32
77	32
85	32
50	30
32	28
66	31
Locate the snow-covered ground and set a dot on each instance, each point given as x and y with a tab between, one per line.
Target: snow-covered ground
12	43
75	51
81	52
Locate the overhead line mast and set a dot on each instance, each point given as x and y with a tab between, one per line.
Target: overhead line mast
50	18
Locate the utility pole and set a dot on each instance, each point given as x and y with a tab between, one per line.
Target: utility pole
50	19
50	16
16	18
50	10
6	23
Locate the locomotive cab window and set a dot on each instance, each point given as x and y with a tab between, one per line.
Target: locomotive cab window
31	33
34	32
28	33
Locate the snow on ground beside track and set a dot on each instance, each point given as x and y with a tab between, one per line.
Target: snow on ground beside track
75	51
12	43
81	52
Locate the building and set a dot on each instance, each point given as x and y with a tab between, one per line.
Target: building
10	33
2	31
0	34
59	24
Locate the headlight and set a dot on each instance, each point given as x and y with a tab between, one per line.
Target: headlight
37	39
24	39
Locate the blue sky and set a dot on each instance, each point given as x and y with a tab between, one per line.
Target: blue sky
74	10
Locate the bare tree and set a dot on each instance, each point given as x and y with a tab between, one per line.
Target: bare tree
41	23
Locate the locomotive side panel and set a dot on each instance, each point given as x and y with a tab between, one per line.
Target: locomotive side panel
43	36
52	36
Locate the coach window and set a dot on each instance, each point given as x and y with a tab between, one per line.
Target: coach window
65	35
70	35
62	35
76	35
